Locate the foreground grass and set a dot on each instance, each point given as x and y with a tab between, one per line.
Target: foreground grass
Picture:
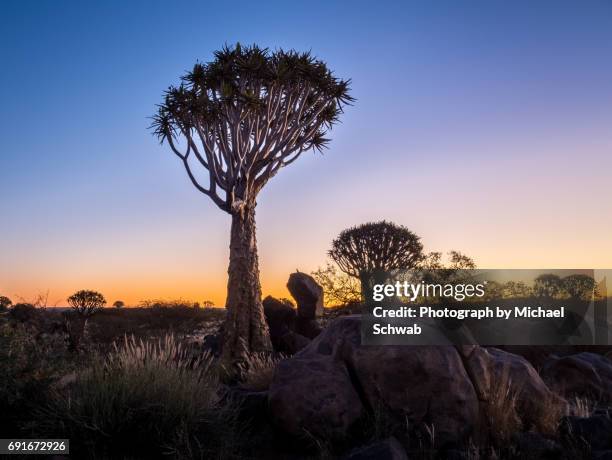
143	399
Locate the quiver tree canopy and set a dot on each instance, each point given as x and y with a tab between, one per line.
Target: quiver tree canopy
86	303
247	114
376	248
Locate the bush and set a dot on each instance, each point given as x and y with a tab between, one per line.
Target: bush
147	397
258	370
23	312
29	367
5	302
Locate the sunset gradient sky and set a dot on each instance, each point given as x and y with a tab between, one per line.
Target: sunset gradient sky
483	126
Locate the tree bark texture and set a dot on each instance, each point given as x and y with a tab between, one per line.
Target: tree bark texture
245	330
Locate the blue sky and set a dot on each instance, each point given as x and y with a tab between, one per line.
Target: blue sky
483	126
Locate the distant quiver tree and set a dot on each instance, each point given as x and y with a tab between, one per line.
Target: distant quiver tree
85	303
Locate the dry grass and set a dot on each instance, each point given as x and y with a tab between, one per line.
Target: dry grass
258	370
502	411
148	397
581	407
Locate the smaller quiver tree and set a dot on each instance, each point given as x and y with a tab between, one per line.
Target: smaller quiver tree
83	304
374	252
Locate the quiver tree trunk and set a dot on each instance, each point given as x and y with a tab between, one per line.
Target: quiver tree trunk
245	328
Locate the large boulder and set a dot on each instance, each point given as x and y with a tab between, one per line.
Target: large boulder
307	327
586	375
314	397
280	316
307	293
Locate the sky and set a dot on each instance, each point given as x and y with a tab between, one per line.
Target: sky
483	126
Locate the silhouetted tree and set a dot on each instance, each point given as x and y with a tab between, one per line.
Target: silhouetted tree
119	304
5	302
208	304
243	117
517	290
86	303
339	288
434	270
579	286
547	285
373	251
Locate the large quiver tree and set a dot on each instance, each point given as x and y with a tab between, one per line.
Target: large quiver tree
241	118
374	251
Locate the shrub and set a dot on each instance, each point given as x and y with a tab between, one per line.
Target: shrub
23	312
29	367
148	397
258	370
5	302
504	420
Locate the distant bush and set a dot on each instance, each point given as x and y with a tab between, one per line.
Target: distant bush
5	302
160	303
146	397
23	312
119	304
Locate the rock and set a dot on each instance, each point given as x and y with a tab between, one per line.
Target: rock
586	375
314	397
307	293
595	431
307	327
388	449
290	343
536	402
424	385
444	386
535	446
281	321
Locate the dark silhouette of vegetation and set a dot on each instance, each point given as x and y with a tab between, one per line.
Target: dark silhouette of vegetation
243	117
119	304
23	312
85	303
5	303
579	286
547	286
339	288
371	252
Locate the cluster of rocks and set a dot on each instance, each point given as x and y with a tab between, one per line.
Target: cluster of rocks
292	329
333	389
333	384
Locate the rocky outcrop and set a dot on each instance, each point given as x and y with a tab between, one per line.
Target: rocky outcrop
444	388
291	329
312	397
585	375
281	318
